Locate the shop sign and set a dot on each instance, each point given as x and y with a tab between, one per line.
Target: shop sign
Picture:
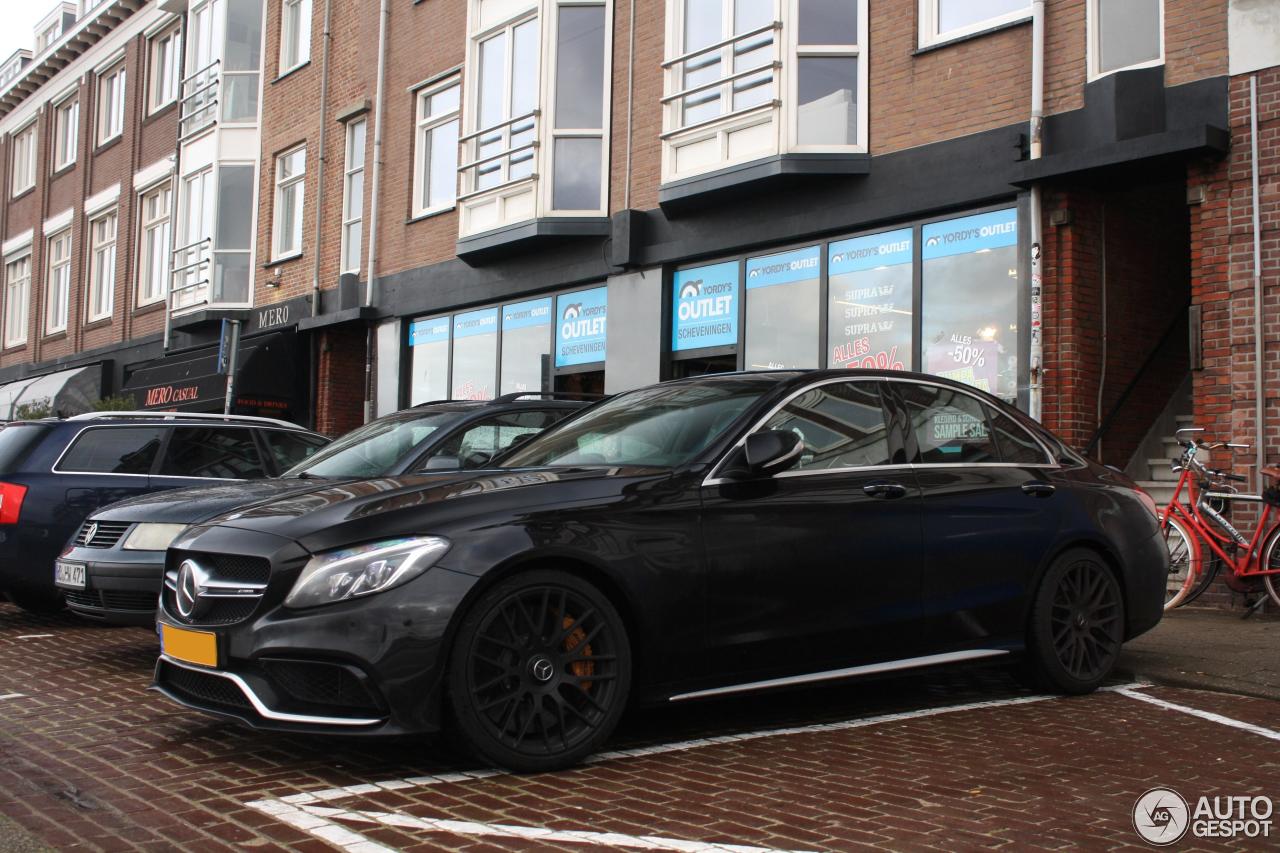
871	301
978	233
523	315
964	358
785	268
872	252
429	331
706	307
170	395
482	322
581	326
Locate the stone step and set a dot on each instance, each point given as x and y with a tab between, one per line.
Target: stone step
1160	469
1161	491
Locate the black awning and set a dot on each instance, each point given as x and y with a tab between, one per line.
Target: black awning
189	381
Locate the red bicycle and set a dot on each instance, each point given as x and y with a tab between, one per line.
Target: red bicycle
1201	541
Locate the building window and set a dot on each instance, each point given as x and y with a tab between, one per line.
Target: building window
66	132
871	303
526	347
353	196
1125	34
102	266
475	355
111	104
153	261
943	20
435	156
724	103
783	306
17	292
295	34
291	169
532	153
24	159
162	87
58	290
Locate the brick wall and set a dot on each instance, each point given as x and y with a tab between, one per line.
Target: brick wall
340	380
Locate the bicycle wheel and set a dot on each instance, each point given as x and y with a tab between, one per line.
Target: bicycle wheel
1271	560
1185	563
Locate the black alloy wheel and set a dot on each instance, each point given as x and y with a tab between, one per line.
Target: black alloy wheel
540	671
1077	623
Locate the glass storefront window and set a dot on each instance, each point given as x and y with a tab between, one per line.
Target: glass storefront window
782	310
706	307
870	301
581	326
526	346
429	343
970	301
475	354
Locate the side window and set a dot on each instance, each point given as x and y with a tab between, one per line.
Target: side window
290	448
113	450
948	426
226	452
1015	443
493	435
842	425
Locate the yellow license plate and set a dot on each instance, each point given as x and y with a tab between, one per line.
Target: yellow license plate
191	646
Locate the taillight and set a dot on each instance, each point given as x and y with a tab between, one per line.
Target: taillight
11	495
1147	500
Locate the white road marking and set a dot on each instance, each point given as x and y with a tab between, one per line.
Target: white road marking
12	695
322	828
1204	715
533	833
33	636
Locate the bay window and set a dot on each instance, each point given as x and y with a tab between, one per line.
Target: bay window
530	153
748	79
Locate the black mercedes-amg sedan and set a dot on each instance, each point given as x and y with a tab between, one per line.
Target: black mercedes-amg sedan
696	538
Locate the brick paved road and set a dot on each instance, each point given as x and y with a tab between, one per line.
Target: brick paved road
90	760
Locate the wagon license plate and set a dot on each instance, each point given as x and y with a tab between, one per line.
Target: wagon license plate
199	647
68	575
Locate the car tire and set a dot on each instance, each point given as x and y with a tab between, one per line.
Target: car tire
539	672
38	604
1077	623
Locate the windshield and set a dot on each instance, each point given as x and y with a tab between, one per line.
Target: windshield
663	426
373	449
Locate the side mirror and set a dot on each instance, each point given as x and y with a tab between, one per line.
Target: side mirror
442	463
771	451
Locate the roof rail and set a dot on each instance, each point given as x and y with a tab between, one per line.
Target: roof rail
554	395
94	416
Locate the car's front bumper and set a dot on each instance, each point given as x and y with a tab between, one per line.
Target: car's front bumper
369	666
121	587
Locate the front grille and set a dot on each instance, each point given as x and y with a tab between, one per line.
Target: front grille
140	602
201	688
84	598
320	683
220	567
105	533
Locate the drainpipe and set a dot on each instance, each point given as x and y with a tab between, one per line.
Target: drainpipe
324	127
384	15
631	65
1259	416
1036	395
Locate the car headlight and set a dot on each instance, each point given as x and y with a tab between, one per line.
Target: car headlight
364	570
152	537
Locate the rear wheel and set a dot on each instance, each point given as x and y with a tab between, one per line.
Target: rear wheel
1271	562
540	672
1185	565
1077	623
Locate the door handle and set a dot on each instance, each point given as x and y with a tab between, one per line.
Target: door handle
1039	489
888	491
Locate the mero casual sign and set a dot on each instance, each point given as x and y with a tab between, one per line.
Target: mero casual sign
706	307
581	326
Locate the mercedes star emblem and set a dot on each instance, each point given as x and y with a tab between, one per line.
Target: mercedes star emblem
191	581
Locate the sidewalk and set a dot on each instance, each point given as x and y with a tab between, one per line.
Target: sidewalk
1210	650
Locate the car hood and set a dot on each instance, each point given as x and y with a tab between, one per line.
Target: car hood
197	504
338	513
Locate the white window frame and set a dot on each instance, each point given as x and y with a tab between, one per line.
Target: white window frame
353	204
1094	53
279	251
929	17
163	222
58	278
791	79
22	162
66	133
425	126
523	13
300	41
102	267
164	73
110	122
18	337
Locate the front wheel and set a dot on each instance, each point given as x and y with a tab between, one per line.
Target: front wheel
539	672
1185	563
1077	623
1271	562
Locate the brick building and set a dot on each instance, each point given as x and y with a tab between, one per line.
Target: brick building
400	201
